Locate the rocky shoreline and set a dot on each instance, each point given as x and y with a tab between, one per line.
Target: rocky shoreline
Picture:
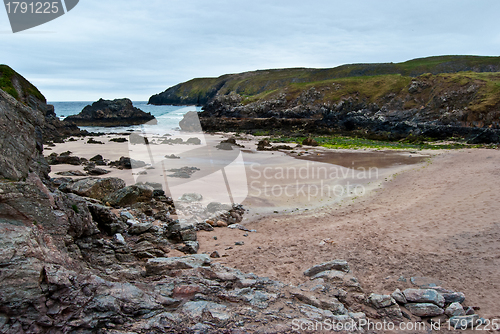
351	116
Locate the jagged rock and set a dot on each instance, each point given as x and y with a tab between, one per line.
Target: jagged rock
119	140
464	322
452	297
118	112
424	296
93	141
127	163
424	309
455	309
392	313
139	228
341	265
399	297
381	301
162	266
183	173
98	160
263	144
310	142
72	173
91	169
106	220
190	247
203	226
181	231
130	195
55	159
94	187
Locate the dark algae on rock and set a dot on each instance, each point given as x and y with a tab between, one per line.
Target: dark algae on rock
118	112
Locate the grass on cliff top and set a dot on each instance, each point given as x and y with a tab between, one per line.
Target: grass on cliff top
257	82
355	143
7	75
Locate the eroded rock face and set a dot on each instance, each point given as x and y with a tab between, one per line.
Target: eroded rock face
118	112
20	137
94	187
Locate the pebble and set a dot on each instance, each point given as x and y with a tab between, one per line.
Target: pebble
239	243
215	237
215	255
120	239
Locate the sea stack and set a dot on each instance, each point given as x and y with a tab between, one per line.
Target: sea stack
118	112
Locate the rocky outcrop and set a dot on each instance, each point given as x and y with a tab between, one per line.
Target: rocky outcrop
21	141
118	112
23	91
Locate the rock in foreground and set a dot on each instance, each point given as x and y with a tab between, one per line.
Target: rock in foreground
118	112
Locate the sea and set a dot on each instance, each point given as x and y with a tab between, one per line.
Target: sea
167	117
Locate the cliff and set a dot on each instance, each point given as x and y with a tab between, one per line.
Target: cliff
201	90
118	112
23	91
436	98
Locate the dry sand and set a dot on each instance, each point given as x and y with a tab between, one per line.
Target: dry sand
440	219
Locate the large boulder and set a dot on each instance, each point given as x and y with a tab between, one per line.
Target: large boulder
118	112
94	187
130	195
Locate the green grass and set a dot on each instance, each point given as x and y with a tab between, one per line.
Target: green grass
341	142
7	75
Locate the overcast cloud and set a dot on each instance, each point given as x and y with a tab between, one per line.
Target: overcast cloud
122	48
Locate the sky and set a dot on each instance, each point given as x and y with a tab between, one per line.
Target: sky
123	48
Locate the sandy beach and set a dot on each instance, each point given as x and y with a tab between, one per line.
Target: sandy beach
265	182
435	218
